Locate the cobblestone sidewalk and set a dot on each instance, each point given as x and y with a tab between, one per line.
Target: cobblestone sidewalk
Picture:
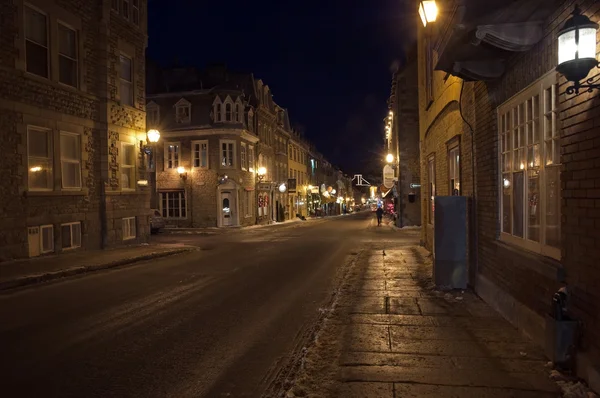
393	335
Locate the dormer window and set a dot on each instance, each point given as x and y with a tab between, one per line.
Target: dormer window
229	116
183	111
237	116
152	114
251	120
228	112
219	113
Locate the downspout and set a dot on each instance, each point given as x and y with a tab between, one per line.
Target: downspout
473	183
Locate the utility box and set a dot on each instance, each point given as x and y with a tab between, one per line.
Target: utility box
450	242
560	340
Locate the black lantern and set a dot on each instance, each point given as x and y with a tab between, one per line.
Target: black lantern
577	51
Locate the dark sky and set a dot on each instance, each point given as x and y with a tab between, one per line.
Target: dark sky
329	61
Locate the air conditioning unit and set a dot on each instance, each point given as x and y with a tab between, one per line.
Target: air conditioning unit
34	241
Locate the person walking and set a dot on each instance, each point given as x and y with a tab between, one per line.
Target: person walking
379	213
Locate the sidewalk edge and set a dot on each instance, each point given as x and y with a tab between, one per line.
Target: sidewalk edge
35	279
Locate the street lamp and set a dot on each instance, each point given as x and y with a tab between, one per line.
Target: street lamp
389	158
577	51
428	11
153	136
261	173
182	173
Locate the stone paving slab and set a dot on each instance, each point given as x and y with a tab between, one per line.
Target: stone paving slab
362	390
431	391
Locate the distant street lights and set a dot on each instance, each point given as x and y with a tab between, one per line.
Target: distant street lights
577	51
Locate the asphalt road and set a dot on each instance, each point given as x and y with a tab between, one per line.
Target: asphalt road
217	322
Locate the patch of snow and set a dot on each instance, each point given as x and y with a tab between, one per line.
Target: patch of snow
523	354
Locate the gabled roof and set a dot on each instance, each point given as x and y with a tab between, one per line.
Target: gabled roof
182	101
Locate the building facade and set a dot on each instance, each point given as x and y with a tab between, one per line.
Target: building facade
497	125
72	112
297	156
282	136
206	157
403	142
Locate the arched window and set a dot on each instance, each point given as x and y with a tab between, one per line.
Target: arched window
228	112
219	115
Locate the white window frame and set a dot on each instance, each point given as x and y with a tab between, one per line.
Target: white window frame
244	156
44	45
42	228
186	119
197	155
68	57
170	156
64	160
129	167
70	225
251	159
514	118
181	194
128	228
32	161
233	154
124	83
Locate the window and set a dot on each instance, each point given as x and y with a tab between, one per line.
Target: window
153	115
530	163
172	204
114	4
39	159
126	9
67	55
135	12
249	203
71	235
243	156
47	238
182	113
250	120
454	170
126	78
70	160
36	42
127	166
238	117
227	153
200	154
219	113
128	227
171	155
228	112
431	181
251	159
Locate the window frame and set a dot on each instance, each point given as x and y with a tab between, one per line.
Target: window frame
123	82
125	8
46	46
431	189
233	154
244	156
508	132
167	158
49	159
135	12
199	158
251	159
42	227
71	161
188	118
127	221
75	60
453	149
131	167
182	209
70	225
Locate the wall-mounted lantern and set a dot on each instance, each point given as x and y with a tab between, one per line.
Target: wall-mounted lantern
428	11
261	173
152	137
577	51
182	172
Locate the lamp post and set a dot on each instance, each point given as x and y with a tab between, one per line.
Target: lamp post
149	148
577	51
261	172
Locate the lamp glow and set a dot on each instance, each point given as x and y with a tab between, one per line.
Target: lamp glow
262	171
282	188
35	169
389	158
153	135
428	11
181	169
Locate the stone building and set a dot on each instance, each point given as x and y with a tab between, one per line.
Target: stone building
282	136
497	125
72	112
206	158
297	155
403	141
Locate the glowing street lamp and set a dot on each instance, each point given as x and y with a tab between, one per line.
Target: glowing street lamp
261	173
389	158
577	51
428	11
153	136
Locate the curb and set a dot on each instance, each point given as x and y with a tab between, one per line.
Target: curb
35	279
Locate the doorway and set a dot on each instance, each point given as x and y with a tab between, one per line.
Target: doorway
228	209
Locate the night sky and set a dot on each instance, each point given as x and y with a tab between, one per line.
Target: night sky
328	61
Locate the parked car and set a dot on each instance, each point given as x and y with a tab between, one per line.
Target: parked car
157	222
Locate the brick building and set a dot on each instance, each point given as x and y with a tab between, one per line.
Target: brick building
72	111
403	141
206	157
489	92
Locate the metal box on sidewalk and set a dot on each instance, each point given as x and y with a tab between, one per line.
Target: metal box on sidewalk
450	242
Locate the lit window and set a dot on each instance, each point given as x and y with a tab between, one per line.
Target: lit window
36	42
126	78
39	155
128	166
70	160
530	164
128	227
227	153
171	155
